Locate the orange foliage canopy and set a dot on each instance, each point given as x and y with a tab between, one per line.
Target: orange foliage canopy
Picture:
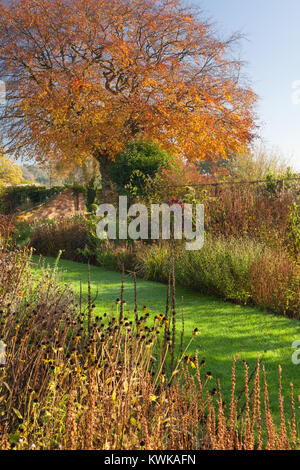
85	76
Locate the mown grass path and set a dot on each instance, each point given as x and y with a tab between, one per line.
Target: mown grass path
226	329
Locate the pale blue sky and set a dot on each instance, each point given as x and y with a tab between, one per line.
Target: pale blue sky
272	52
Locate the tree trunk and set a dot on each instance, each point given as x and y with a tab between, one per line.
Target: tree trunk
104	164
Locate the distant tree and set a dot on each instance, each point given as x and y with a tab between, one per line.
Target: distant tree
254	164
86	174
35	173
27	174
10	172
217	167
179	173
257	163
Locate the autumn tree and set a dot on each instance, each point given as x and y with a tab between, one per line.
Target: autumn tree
10	173
86	76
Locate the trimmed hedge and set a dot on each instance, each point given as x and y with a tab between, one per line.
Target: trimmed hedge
14	197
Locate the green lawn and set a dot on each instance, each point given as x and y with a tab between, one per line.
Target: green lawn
225	329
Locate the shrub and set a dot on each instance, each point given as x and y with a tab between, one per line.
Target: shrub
293	231
7	231
91	194
22	234
221	267
68	235
139	161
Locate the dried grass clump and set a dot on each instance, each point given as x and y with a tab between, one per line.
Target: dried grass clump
275	283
